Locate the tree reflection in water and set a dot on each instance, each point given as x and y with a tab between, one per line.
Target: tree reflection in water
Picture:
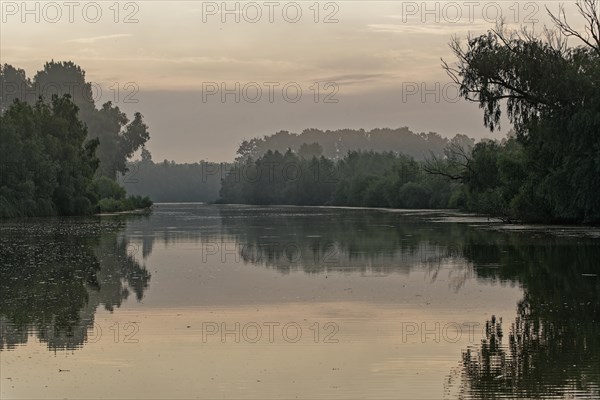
54	274
553	346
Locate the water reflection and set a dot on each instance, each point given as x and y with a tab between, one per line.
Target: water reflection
54	274
311	240
337	240
552	349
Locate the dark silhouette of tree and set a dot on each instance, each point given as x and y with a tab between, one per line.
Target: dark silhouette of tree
553	346
48	162
552	97
54	290
54	142
119	138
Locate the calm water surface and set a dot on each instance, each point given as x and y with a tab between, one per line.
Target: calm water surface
197	301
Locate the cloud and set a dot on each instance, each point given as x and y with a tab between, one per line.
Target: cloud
350	79
96	38
427	29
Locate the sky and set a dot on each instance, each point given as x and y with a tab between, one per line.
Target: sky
207	75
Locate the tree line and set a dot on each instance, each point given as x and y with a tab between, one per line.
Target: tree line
361	178
169	181
337	143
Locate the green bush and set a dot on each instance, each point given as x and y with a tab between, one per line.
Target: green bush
109	205
106	188
140	202
128	204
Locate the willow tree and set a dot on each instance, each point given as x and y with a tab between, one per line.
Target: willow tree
550	91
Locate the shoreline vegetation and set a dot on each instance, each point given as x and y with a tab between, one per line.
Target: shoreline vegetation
135	211
63	155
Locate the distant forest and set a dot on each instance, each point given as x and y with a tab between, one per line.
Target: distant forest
336	144
366	179
168	181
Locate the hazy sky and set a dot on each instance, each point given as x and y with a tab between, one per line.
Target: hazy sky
208	74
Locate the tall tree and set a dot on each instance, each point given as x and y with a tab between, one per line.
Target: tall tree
48	161
119	138
552	97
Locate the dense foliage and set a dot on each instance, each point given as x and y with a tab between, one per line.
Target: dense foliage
49	166
551	170
360	179
47	163
60	155
119	138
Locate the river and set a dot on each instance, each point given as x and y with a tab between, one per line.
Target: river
205	301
